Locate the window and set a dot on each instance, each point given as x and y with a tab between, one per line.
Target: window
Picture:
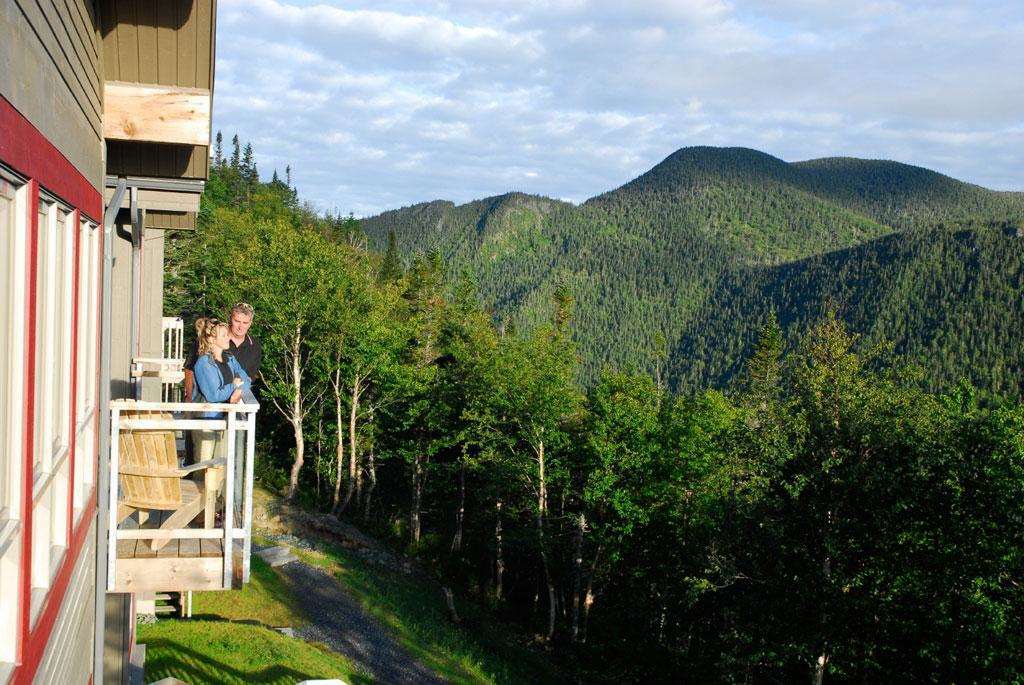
54	291
87	364
13	212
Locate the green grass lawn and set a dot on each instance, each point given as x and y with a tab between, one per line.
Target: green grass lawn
480	650
200	651
229	639
266	598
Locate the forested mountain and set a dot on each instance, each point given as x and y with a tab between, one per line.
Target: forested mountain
824	517
947	298
686	260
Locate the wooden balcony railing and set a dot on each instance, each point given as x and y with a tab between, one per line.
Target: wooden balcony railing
175	526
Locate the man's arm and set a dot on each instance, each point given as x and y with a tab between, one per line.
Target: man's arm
257	359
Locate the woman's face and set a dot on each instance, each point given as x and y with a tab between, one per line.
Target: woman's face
221	341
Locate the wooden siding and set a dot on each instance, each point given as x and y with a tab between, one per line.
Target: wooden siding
168	42
69	653
171	43
51	72
125	158
156	218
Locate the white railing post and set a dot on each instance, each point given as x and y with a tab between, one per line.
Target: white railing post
115	444
250	455
229	498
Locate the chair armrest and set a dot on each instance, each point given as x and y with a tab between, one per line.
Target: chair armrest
220	461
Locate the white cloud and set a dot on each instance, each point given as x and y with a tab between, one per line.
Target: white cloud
386	103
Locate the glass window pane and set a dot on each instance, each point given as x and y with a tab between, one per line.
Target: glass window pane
43	250
7	365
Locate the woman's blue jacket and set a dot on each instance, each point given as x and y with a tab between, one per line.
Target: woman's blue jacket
210	385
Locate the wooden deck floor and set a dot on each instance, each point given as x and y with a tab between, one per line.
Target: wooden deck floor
177	566
141	549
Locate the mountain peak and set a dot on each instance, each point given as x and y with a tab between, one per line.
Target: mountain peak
698	166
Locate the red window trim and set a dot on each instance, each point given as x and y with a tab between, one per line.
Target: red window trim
28	448
25	149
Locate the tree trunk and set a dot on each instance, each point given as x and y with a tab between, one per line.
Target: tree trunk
819	668
340	442
417	497
319	454
352	437
821	663
542	509
499	554
296	415
449	600
371	470
588	596
460	512
577	572
353	456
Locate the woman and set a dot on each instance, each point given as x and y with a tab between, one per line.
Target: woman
218	378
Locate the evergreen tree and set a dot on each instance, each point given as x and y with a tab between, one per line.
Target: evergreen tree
247	168
218	158
391	266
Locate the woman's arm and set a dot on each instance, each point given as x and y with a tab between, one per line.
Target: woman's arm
208	379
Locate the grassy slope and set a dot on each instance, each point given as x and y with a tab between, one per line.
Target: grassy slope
230	639
199	651
481	650
267	598
217	647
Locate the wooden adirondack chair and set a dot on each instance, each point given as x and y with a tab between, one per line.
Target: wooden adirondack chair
150	478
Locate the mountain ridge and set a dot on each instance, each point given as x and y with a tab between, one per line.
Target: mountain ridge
649	260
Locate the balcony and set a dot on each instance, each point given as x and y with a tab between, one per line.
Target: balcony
175	526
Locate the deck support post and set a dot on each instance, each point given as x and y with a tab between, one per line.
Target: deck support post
229	498
250	455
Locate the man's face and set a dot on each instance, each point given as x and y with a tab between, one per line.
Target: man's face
240	324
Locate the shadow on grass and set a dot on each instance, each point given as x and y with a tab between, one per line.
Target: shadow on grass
195	667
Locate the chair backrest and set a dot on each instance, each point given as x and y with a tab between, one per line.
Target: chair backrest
148	463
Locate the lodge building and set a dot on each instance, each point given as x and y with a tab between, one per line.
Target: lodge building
105	112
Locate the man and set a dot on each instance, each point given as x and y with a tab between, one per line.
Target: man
244	347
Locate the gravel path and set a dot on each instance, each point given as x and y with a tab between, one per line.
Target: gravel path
337	620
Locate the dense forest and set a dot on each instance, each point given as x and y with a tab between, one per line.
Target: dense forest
675	271
826	516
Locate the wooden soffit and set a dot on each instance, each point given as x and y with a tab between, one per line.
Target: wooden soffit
156	114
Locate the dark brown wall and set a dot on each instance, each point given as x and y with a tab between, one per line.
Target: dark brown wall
157	159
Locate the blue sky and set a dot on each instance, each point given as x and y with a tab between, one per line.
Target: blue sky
378	105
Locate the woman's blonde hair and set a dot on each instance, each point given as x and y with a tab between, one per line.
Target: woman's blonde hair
206	333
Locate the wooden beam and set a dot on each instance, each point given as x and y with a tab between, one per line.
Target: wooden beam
156	114
169	574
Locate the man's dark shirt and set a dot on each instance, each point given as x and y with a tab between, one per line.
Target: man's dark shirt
249	354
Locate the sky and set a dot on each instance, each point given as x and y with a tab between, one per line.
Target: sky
385	103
